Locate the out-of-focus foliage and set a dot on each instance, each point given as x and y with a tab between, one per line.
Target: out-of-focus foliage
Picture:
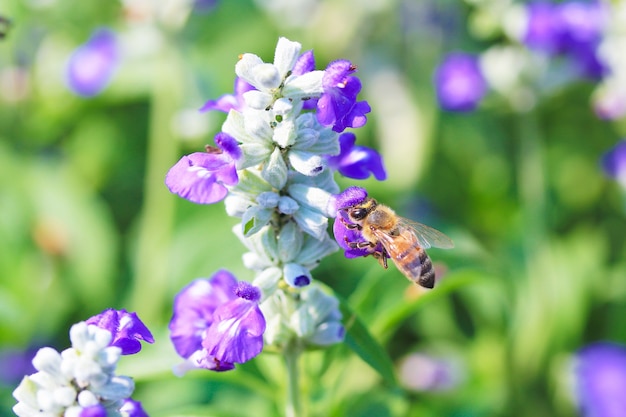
86	222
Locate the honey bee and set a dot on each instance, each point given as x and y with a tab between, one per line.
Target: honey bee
402	240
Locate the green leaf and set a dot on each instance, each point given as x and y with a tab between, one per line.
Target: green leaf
359	339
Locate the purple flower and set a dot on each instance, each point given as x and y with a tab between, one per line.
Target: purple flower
543	27
600	378
614	162
337	107
132	408
96	410
459	82
229	102
355	161
573	29
351	196
202	177
126	328
217	322
92	65
304	64
14	364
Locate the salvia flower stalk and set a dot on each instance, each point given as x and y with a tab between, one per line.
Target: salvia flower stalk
81	380
273	164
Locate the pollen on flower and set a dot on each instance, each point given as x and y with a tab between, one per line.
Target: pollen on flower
247	291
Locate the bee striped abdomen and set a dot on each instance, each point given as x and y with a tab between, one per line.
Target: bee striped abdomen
416	264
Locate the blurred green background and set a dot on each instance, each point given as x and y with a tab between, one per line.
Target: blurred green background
86	222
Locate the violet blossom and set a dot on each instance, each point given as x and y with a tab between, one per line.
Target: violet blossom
203	177
459	82
600	380
229	102
126	329
217	322
338	107
91	66
356	161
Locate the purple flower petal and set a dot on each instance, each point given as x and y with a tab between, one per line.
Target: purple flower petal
459	83
92	65
305	63
600	375
236	334
126	328
229	102
132	408
357	162
97	410
193	310
337	106
201	177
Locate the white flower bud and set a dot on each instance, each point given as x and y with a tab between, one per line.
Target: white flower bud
268	199
306	163
245	68
286	55
290	242
305	85
312	197
268	281
266	77
275	170
285	134
301	323
287	205
314	250
257	100
296	275
312	222
328	334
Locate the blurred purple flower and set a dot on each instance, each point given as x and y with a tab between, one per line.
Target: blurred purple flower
600	378
229	102
337	107
459	82
132	408
572	28
355	161
351	196
92	65
202	177
614	162
14	364
126	328
217	322
543	31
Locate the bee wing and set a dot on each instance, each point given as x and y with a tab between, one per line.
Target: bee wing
427	236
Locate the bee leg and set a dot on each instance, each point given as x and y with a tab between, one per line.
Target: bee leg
358	245
350	226
381	257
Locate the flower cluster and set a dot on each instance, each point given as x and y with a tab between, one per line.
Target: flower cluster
273	164
81	380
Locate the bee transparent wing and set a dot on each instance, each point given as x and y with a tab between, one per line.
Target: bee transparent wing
426	236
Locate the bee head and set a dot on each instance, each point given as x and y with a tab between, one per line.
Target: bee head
361	211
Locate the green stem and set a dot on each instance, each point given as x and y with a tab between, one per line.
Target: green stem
292	355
